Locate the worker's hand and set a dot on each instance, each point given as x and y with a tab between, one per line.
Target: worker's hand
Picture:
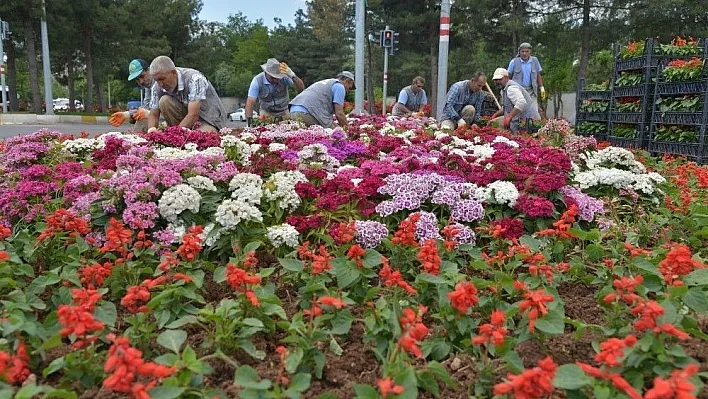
507	121
461	123
544	96
118	118
284	68
140	114
152	129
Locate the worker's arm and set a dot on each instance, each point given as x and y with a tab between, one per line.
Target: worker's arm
250	102
153	118
298	84
193	110
341	118
423	102
402	107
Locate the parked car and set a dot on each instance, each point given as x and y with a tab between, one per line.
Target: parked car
240	115
62	104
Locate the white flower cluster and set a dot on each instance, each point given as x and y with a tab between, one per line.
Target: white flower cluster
188	151
201	183
281	187
177	229
316	156
498	192
231	212
178	199
619	179
247	187
131	138
439	135
275	147
466	148
612	157
238	150
82	146
207	237
283	234
387	128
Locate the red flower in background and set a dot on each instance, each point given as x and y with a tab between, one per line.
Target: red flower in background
430	257
493	332
463	297
533	383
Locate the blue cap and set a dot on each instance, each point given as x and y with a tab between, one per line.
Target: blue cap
135	68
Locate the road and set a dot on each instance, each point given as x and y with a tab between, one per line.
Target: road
7	131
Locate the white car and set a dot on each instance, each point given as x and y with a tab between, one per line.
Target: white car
240	115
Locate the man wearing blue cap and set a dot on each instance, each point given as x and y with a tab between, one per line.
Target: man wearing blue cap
316	104
138	71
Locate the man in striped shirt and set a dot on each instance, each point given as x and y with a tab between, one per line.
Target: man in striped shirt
464	102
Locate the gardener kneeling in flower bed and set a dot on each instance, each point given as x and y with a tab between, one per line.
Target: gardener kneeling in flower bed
138	71
516	102
464	103
270	87
411	99
184	97
316	104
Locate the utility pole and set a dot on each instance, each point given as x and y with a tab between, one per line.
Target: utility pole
442	57
109	92
359	58
48	97
4	34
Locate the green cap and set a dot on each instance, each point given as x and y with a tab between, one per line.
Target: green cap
136	67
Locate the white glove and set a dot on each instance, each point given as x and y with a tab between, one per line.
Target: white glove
152	129
284	68
461	122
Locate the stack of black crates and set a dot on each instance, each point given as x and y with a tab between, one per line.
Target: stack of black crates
640	105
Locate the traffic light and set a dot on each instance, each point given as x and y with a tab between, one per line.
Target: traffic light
396	39
387	38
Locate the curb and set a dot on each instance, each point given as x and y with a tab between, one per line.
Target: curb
32	119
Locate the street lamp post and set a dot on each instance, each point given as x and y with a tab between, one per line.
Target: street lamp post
48	97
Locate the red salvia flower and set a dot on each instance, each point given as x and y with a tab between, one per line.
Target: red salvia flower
493	332
678	262
4	232
15	369
388	387
430	257
64	221
625	288
191	244
405	235
677	386
533	383
414	331
332	301
242	281
535	305
125	364
616	379
648	313
613	349
355	253
93	276
118	237
321	261
463	297
394	278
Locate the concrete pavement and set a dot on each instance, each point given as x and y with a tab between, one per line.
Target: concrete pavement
7	131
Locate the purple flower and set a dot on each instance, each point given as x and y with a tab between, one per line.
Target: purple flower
141	215
369	233
588	206
467	210
165	237
427	227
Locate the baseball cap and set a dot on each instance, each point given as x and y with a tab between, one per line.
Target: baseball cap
500	73
348	75
136	67
272	68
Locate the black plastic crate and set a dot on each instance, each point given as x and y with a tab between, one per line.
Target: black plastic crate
591	117
681	88
630	91
678	118
594	95
625	142
696	151
627	117
636	63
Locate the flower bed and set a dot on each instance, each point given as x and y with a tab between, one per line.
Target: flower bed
391	260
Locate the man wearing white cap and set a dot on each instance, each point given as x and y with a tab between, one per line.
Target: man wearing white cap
270	87
316	104
516	102
525	69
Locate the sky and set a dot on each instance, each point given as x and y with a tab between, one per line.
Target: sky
219	10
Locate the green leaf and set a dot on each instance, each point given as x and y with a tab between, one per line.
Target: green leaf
247	377
220	274
371	259
365	392
346	273
172	340
570	376
164	392
602	392
292	265
28	391
341	323
252	322
696	300
552	323
533	243
645	265
595	252
697	277
430	278
513	362
300	382
56	365
106	313
335	348
182	321
293	360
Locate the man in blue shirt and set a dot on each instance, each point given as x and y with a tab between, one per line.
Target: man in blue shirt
270	87
525	69
411	99
464	102
316	104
